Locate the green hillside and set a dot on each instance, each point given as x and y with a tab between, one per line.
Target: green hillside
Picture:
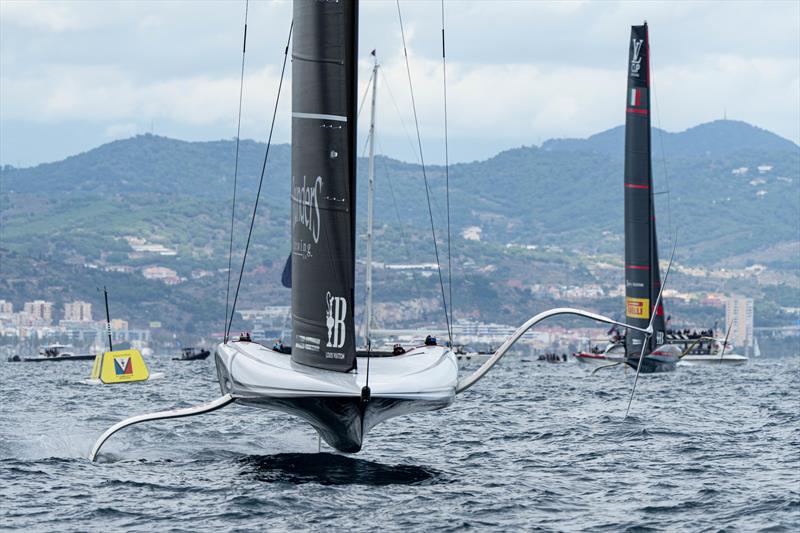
734	199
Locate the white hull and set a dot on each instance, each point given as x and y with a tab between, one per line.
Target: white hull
422	379
711	359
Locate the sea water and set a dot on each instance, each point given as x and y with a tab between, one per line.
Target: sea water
534	445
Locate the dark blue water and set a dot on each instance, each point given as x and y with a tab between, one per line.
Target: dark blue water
532	446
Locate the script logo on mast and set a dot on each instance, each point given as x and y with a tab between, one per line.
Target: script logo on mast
306	212
636	62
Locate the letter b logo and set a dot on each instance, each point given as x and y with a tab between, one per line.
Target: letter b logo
337	312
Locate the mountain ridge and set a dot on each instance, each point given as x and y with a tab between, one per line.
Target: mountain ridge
718	138
547	195
608	141
541	213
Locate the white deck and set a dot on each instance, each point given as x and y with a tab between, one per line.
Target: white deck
423	373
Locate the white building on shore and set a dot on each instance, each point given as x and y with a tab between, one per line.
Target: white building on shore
78	311
739	314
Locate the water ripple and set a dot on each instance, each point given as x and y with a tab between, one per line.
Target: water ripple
534	446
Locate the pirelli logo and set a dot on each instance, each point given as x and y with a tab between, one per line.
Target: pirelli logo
637	307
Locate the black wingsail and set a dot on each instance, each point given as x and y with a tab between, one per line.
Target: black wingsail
324	53
642	277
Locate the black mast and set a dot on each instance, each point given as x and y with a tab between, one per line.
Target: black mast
642	276
324	61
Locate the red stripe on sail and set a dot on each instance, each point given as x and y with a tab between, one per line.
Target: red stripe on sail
635	186
637	111
637	267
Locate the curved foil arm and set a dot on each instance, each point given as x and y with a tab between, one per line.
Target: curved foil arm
470	380
222	401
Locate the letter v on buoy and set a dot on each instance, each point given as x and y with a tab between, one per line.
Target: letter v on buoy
121	366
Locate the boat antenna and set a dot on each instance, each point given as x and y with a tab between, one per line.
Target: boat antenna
370	207
447	179
650	326
424	175
260	182
108	320
235	174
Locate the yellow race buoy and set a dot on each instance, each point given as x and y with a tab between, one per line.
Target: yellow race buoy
121	366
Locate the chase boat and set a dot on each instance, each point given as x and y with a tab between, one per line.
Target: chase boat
52	353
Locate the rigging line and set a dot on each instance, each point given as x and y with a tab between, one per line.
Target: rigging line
414	152
260	181
364	98
403	240
364	150
235	176
399	115
725	343
447	175
425	177
661	142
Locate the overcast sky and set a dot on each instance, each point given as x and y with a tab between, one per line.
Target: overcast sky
74	75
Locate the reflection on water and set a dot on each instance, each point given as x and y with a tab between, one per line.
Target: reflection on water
331	469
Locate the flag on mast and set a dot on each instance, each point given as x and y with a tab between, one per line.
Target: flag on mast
636	97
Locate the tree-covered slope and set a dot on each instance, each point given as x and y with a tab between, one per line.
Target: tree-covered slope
734	198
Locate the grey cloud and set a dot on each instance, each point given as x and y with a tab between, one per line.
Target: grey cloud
567	54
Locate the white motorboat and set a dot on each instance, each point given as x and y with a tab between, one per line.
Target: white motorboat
705	350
